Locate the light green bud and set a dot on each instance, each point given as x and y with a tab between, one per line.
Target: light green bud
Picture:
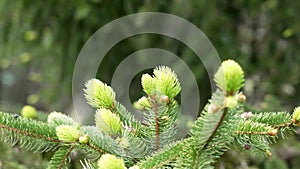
83	139
148	84
107	121
67	133
108	161
230	77
166	81
98	94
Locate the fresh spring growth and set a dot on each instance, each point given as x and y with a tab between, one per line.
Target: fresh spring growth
57	118
98	94
296	115
67	133
83	139
107	121
28	112
108	161
230	77
166	81
148	84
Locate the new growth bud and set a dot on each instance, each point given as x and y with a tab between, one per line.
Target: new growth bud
108	122
230	77
67	133
166	81
98	94
110	161
83	139
148	84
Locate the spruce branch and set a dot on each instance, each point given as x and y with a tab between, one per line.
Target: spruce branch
164	155
32	135
250	127
281	120
59	159
119	140
101	142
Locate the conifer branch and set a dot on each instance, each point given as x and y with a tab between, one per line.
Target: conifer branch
65	156
216	126
59	159
29	134
33	135
123	141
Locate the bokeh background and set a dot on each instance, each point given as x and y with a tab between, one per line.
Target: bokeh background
40	41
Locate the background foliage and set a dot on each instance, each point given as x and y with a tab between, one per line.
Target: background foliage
40	41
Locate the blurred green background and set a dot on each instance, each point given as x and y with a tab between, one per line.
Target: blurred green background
40	41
